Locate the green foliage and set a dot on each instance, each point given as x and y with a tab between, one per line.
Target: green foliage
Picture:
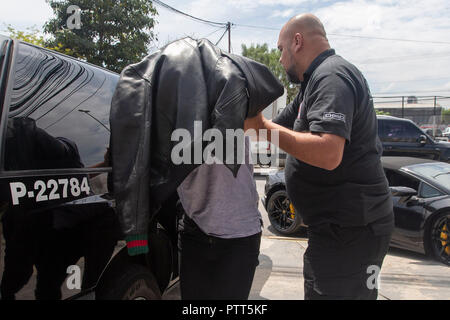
382	113
446	116
113	34
31	35
271	58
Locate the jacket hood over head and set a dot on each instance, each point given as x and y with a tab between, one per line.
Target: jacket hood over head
263	87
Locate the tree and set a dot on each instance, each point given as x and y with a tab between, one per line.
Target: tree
271	58
34	36
382	113
446	116
31	35
113	33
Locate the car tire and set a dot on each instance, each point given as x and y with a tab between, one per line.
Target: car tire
437	238
130	282
278	210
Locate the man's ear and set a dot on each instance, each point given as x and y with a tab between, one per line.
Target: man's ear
298	42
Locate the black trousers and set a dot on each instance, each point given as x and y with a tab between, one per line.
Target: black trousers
342	263
216	269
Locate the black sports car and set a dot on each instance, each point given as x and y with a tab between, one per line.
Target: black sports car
421	194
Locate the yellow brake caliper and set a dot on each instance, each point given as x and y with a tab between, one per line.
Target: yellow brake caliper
291	208
444	240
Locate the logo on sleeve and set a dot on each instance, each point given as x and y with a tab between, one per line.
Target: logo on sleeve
334	116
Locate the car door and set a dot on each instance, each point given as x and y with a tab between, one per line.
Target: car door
402	138
408	211
57	219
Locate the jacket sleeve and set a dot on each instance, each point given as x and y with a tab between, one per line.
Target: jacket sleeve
130	120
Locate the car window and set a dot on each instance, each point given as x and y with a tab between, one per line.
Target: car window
439	172
397	179
3	44
3	70
427	191
59	112
400	131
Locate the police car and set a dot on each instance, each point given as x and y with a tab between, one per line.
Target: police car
61	236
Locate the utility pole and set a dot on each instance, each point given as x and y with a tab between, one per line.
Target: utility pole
229	36
434	116
403	106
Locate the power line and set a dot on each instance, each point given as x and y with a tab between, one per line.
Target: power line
210	34
404	58
348	35
224	24
228	25
188	15
420	80
388	39
226	30
257	27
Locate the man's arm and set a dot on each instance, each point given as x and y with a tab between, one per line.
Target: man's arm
330	118
321	150
287	117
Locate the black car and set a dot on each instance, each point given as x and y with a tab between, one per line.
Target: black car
403	138
421	195
58	215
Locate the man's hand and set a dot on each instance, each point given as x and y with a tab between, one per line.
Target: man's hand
256	123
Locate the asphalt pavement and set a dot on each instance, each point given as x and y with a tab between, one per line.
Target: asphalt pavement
405	275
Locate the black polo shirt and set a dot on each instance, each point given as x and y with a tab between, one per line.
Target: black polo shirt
335	98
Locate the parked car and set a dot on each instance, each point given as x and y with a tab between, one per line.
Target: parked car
57	210
280	210
446	132
436	133
402	137
421	195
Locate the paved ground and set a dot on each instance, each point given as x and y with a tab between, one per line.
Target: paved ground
279	276
405	275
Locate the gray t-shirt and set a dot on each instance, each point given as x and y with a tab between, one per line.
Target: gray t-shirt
220	204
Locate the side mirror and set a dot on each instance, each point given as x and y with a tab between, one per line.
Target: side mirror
423	140
403	191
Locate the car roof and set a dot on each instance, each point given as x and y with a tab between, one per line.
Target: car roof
395	163
61	54
384	117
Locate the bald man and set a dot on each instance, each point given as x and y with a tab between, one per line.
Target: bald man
334	176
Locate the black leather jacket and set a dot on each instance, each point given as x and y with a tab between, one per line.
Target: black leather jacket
189	80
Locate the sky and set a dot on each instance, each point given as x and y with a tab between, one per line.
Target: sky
419	65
